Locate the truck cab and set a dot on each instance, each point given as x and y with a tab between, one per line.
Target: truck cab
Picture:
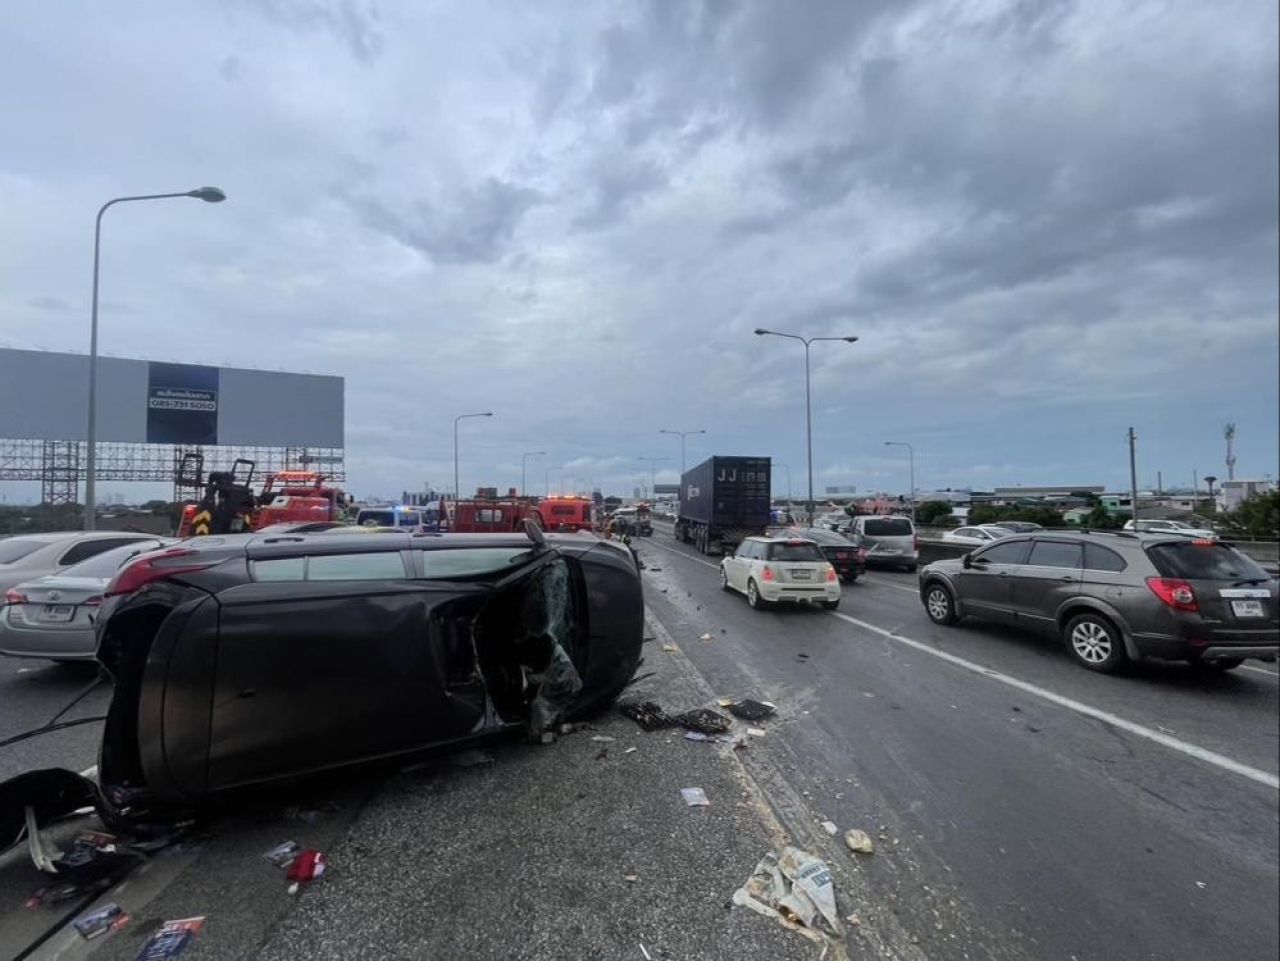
566	513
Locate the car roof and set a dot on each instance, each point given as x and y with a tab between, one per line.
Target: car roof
780	538
49	538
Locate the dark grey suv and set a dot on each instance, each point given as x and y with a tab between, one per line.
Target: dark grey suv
1114	598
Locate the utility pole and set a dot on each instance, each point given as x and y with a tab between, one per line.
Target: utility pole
1133	475
1160	483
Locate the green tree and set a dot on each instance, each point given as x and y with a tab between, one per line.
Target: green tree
931	512
1100	519
1259	516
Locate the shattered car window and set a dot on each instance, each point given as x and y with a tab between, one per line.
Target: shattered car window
471	561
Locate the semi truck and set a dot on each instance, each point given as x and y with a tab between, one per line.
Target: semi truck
722	501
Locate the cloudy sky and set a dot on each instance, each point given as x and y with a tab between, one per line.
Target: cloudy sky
1045	221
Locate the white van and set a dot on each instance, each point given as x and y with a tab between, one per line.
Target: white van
890	540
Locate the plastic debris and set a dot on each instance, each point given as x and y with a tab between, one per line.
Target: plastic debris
603	738
109	917
724	701
171	940
704	637
755	732
794	889
630	750
696	736
671	648
830	827
649	715
631	878
750	710
306	867
859	841
703	719
282	855
695	797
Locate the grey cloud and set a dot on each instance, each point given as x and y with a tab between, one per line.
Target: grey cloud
354	23
49	303
618	184
231	69
468	226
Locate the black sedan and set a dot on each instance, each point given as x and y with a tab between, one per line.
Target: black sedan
846	556
246	659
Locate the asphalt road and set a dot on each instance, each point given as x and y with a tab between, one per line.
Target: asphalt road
31	693
1026	806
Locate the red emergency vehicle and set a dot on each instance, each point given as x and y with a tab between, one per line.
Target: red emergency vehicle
566	513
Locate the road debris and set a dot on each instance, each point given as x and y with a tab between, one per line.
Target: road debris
282	855
171	940
704	637
630	750
830	827
306	867
794	889
631	878
671	648
755	732
644	951
109	917
859	841
695	797
603	738
705	720
648	714
750	710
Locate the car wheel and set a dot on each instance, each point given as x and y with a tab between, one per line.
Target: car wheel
1219	664
851	579
754	598
911	568
940	605
724	579
1095	643
830	605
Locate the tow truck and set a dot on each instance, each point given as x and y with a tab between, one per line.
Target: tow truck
229	504
566	513
489	514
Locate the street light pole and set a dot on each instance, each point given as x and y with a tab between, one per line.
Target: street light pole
682	434
653	474
808	399
457	491
911	453
524	460
208	194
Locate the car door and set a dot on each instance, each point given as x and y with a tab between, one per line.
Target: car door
1050	576
741	565
330	658
985	587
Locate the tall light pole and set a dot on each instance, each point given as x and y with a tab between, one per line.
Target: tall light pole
682	434
549	470
911	453
208	194
808	398
653	473
457	491
524	460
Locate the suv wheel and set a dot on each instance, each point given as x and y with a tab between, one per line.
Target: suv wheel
939	604
754	598
1095	643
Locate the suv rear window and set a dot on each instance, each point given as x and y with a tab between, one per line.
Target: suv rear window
15	549
1197	560
795	552
888	527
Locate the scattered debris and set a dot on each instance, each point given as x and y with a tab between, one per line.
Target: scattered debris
794	889
859	841
830	827
647	957
1200	885
853	920
755	732
750	710
603	738
547	737
631	878
109	917
704	637
1033	729
696	736
306	867
171	940
695	797
655	568
629	750
282	855
649	715
671	648
703	719
802	657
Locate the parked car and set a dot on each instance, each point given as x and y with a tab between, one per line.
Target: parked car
244	659
51	617
976	536
1181	528
891	541
771	570
1115	598
28	556
843	553
1021	527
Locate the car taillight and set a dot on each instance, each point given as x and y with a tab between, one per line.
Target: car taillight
1177	594
92	601
14	596
153	567
831	574
767	574
1204	542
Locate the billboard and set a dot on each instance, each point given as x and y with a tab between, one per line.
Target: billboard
45	396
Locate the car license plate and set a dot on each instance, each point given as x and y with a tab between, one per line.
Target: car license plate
57	612
1247	609
801	575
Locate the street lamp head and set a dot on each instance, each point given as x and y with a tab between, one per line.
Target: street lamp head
487	413
850	340
210	195
760	331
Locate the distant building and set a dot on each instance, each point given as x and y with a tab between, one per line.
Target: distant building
1233	493
1056	496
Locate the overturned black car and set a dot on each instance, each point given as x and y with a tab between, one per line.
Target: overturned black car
245	659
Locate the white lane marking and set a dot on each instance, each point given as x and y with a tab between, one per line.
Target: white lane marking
1259	670
896	587
1176	744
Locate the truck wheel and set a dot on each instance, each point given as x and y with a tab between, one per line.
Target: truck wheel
753	597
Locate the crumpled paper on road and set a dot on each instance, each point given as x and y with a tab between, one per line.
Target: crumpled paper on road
796	890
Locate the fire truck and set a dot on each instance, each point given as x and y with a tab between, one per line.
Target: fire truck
229	504
487	513
566	513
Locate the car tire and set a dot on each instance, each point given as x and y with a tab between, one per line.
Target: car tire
830	605
911	568
754	599
851	579
1219	665
724	579
940	605
1095	643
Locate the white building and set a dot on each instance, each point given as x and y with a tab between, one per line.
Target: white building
1233	493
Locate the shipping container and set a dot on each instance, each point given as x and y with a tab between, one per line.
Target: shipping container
722	501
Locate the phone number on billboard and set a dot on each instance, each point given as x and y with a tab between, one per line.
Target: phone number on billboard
160	403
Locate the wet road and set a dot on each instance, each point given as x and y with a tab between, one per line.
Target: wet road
31	693
1026	807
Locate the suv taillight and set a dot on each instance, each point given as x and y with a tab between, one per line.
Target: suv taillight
1176	593
767	573
14	596
153	567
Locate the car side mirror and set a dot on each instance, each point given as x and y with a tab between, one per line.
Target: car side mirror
966	561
